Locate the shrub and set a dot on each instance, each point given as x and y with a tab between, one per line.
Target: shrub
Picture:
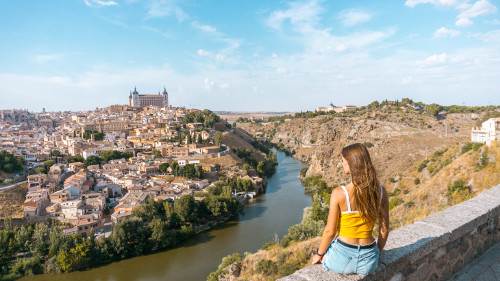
266	267
268	245
421	166
303	171
409	204
368	144
466	147
395	202
289	268
417	181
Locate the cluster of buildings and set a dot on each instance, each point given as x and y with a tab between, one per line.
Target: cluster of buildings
488	132
337	109
95	196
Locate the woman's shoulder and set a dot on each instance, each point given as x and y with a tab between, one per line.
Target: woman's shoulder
338	191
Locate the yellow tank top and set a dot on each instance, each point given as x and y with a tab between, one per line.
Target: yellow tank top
352	224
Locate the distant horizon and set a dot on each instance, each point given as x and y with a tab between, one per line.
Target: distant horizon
243	111
248	55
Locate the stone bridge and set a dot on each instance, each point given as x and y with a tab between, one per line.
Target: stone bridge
433	248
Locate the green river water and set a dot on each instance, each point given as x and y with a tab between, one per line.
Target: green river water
273	212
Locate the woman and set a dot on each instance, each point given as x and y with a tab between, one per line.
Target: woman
355	209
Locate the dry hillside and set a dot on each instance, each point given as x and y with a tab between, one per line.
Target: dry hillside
11	202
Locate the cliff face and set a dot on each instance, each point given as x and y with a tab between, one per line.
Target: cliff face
395	140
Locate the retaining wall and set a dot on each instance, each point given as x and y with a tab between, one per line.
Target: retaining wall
433	248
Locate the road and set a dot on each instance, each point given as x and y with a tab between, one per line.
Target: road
11	186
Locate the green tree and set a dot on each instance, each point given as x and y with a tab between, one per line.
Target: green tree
198	171
175	168
55	153
218	138
73	159
185	208
161	234
200	140
130	238
163	167
47	164
92	160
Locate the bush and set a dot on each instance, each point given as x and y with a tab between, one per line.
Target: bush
303	171
368	144
422	166
466	147
417	181
457	192
266	267
409	204
392	180
395	202
395	192
268	245
289	268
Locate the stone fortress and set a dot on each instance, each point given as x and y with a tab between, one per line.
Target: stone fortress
137	100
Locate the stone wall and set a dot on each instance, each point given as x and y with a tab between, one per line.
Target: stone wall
433	248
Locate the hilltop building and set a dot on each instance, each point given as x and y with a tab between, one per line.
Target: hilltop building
488	133
160	100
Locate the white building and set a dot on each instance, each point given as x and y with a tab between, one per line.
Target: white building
488	133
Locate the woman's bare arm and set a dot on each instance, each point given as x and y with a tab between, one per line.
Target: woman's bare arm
383	221
331	224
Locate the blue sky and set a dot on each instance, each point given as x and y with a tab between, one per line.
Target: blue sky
248	55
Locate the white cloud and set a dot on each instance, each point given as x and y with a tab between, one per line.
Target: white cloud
489	37
203	53
166	8
443	32
224	86
354	17
204	27
436	59
304	19
299	14
444	3
479	8
466	10
46	57
407	80
100	3
463	22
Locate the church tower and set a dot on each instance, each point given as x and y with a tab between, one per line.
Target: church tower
165	98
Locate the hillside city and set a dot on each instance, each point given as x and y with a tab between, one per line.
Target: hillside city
91	169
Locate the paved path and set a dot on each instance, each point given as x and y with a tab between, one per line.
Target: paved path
485	267
11	186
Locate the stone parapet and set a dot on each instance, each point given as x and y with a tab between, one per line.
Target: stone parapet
433	248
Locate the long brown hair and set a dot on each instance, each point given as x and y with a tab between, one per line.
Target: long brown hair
367	190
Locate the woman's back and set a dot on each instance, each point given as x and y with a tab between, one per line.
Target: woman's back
352	227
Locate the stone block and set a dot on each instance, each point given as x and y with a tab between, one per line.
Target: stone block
458	220
413	242
319	272
485	201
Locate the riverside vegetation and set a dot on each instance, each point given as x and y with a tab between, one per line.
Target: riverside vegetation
435	167
37	248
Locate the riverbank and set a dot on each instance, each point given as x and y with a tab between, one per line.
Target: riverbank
255	225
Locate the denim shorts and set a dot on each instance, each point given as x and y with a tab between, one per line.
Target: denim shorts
342	259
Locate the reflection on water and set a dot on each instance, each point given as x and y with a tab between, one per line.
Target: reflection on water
193	259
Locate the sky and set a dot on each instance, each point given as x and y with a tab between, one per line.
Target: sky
248	55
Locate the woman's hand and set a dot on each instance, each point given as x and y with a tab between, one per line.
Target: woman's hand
316	259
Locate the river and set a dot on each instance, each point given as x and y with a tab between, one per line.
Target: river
273	212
